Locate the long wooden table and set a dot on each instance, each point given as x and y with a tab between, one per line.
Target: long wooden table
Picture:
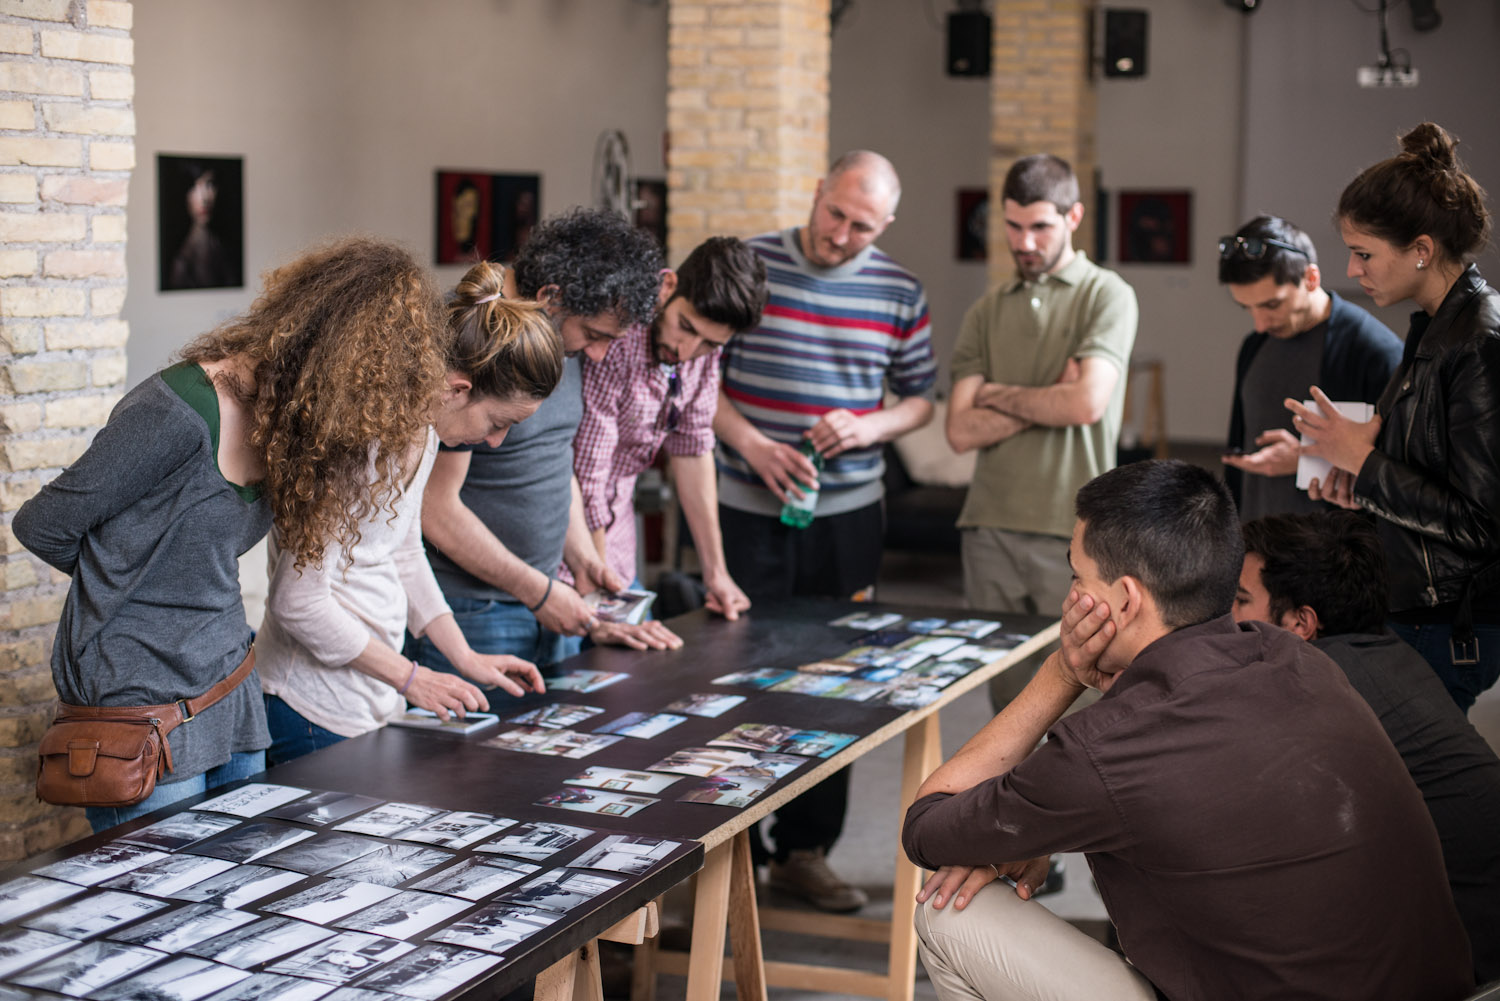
421	767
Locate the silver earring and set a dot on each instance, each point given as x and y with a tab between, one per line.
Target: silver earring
1421	265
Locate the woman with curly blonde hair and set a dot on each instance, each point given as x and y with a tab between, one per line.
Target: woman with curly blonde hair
329	648
269	418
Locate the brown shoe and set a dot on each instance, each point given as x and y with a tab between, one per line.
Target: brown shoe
805	874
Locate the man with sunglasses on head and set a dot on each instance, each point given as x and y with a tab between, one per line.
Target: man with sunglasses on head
1305	335
659	387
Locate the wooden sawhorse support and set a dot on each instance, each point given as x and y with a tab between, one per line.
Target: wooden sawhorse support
575	977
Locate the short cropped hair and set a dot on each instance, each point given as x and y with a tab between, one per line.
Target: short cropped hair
1287	267
725	281
1041	178
1330	561
1172	526
599	263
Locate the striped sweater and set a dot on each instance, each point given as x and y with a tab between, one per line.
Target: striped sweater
829	338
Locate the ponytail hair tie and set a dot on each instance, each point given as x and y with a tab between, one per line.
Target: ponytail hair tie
490	298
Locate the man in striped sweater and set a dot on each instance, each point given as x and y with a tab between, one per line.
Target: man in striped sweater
844	324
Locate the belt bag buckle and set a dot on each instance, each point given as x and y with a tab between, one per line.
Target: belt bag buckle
1465	651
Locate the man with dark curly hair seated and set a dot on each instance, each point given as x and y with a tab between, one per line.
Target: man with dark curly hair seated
501	522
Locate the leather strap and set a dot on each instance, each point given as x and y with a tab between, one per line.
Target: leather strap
172	714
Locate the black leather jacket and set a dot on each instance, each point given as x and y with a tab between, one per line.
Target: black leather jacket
1434	477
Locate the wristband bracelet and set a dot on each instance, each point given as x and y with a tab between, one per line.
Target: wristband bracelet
409	679
545	595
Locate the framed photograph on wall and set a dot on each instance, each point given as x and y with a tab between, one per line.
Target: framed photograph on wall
1155	227
518	206
463	216
200	209
973	224
651	208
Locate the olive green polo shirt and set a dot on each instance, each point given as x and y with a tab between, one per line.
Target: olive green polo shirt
1022	334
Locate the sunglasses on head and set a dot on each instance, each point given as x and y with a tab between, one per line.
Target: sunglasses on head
1253	248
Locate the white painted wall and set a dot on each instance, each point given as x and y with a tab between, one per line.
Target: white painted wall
344	108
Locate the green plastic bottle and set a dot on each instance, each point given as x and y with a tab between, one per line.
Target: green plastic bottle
799	513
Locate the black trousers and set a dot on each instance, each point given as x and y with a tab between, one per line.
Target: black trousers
834	557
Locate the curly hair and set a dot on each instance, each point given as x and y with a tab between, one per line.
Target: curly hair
1424	189
506	347
599	263
345	347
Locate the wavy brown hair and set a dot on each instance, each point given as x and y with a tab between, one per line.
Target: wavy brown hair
506	347
346	348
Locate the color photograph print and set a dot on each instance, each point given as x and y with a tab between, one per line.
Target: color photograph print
200	210
973	224
784	739
622	780
557	716
868	620
584	681
708	704
651	208
643	726
725	790
1156	227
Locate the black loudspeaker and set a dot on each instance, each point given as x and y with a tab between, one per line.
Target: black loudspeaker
968	43
1125	42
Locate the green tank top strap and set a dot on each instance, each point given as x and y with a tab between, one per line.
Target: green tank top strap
189	381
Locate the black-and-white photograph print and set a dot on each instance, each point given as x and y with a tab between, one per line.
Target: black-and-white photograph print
323	808
179	831
27	894
22	947
430	972
87	968
457	830
536	841
328	901
261	942
252	800
181	979
237	887
94	914
324	852
390	820
174	931
477	878
405	915
356	994
392	864
340	959
625	853
496	927
562	890
166	876
249	842
273	987
102	863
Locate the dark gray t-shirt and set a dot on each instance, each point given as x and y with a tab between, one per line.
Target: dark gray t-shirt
1281	368
151	533
521	490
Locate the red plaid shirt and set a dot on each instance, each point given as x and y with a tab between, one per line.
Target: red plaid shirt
625	418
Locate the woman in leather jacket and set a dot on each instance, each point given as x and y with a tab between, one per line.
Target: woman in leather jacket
1428	465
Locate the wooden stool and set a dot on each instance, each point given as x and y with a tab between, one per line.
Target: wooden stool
1154	418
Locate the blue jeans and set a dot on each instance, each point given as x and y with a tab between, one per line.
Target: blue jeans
498	627
239	766
292	734
1463	681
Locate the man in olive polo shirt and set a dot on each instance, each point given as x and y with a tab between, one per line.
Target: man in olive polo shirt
1039	389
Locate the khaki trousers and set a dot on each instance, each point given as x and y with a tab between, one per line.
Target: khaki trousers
1003	948
1019	572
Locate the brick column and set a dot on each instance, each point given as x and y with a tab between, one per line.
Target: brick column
747	116
1041	101
66	151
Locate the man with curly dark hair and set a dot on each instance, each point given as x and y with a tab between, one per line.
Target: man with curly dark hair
501	522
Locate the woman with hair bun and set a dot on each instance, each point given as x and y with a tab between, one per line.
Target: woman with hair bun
299	412
330	660
1428	465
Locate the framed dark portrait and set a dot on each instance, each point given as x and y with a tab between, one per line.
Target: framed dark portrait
651	208
200	208
973	224
1155	227
463	215
518	206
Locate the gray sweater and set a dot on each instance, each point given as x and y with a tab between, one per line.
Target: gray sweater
151	532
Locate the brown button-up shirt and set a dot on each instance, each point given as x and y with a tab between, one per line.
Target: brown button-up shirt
1252	830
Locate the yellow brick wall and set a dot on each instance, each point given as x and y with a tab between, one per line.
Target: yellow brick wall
1042	100
747	116
66	151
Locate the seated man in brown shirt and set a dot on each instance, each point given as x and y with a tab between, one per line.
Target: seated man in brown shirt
1252	831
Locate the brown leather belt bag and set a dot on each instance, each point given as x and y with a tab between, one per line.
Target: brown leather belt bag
113	755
